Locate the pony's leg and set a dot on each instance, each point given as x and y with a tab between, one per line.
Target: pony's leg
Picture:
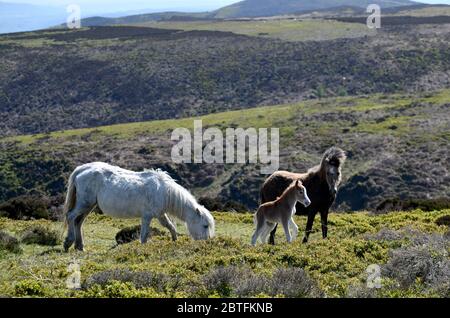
309	225
294	228
72	216
165	221
272	235
324	220
269	226
70	238
259	228
79	245
286	231
145	228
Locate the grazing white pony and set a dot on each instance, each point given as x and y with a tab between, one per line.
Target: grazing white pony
127	194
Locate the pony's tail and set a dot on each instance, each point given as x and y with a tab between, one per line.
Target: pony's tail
70	201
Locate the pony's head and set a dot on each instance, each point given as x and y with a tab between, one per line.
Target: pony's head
201	223
331	165
301	194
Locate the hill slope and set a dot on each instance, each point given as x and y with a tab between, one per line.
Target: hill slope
397	147
109	75
409	248
259	8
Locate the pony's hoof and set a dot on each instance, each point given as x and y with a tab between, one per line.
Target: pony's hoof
305	241
66	247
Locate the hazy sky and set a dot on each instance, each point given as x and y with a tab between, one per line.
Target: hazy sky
126	5
151	5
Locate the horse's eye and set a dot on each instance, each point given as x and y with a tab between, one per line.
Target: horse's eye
205	226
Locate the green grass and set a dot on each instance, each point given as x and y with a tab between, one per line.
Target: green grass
289	30
336	263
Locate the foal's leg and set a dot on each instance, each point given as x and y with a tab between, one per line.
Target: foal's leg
286	230
165	221
272	235
269	226
145	227
309	225
294	228
259	228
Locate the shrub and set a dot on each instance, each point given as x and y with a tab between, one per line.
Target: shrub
406	265
142	279
25	207
9	243
233	281
360	291
40	235
292	282
29	287
223	279
443	220
216	204
385	234
396	204
133	233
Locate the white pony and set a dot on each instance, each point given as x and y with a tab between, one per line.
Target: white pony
127	194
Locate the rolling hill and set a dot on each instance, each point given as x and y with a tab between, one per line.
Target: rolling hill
108	75
269	8
260	8
397	147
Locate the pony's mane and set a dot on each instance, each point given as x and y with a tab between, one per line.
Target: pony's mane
334	156
178	197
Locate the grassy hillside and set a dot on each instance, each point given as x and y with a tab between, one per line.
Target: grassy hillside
397	147
289	30
411	249
109	75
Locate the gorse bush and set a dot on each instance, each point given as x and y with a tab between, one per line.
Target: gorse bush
25	207
443	220
133	233
396	204
40	235
9	243
29	287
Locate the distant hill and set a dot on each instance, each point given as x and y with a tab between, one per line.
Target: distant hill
141	18
258	8
128	74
